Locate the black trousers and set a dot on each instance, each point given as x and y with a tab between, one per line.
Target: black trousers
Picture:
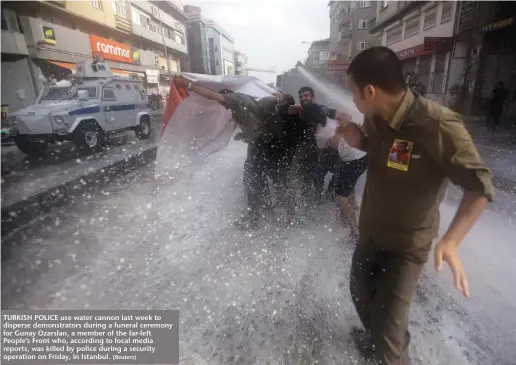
493	120
255	179
329	158
266	161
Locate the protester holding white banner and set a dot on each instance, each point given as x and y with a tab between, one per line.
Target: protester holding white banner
260	123
195	127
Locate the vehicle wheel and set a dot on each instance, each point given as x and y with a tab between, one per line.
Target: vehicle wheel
89	137
143	131
34	149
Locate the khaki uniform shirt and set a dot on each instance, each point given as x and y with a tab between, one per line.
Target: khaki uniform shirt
410	160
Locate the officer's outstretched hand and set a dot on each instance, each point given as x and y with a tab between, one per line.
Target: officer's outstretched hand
342	117
447	251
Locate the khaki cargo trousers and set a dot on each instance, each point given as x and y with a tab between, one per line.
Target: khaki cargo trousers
382	284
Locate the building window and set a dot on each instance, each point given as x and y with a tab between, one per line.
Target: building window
362	45
120	8
108	94
384	4
447	11
324	55
97	4
168	32
393	35
180	27
179	38
364	4
145	21
226	43
430	18
363	23
412	26
10	21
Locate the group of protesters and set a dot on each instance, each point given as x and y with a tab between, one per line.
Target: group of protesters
413	147
291	147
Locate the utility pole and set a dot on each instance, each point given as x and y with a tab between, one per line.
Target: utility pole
163	38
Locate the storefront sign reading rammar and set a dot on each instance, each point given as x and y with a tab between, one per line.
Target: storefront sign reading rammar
498	25
110	50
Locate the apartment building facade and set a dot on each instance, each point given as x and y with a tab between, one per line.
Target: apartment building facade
340	33
349	33
362	12
421	33
318	56
211	47
349	27
240	64
46	39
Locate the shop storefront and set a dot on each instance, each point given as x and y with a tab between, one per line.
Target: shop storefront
55	50
425	66
338	69
498	61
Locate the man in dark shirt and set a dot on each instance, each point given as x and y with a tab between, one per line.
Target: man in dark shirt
500	94
260	125
319	161
280	153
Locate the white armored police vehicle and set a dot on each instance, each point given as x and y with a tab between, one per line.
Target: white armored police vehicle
86	109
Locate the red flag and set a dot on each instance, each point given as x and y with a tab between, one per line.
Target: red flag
175	97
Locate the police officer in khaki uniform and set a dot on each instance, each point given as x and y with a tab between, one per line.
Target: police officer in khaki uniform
414	146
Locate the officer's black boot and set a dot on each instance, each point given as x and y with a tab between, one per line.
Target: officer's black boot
363	343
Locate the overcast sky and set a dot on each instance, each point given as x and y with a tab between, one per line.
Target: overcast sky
270	32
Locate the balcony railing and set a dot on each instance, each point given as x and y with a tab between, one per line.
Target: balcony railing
344	35
344	17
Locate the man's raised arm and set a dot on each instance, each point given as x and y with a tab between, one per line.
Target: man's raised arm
201	90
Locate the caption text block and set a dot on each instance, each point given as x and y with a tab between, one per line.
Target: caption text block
90	337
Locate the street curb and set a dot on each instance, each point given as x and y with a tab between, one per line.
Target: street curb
22	212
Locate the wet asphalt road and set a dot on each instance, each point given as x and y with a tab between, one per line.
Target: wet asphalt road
275	296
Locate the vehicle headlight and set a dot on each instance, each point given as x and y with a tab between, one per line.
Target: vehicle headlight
58	119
